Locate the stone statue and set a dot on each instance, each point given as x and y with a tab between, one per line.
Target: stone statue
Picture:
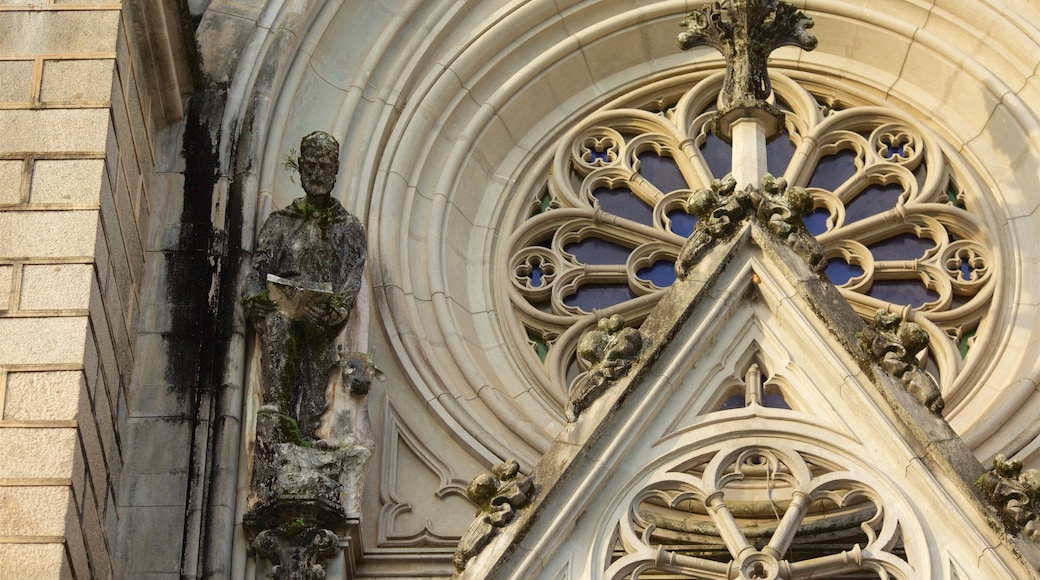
498	495
305	278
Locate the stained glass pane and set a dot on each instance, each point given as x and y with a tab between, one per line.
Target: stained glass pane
911	292
661	171
624	203
598	296
718	154
901	247
661	273
834	170
597	251
816	222
872	200
682	222
778	155
775	401
840	271
733	402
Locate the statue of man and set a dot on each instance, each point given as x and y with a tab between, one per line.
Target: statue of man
305	278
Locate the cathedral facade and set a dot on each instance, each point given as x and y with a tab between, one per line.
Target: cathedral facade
528	173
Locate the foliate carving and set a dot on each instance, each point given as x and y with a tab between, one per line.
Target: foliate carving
720	210
754	29
609	352
298	550
1015	493
780	208
498	494
894	345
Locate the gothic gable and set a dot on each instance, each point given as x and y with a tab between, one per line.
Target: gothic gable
753	438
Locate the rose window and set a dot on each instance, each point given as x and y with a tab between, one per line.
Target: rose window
893	212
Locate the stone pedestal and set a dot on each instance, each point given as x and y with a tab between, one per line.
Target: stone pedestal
301	497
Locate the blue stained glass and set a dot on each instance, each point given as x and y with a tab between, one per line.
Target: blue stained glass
598	251
840	271
771	400
719	156
911	292
966	270
681	222
598	296
901	247
895	150
834	170
816	222
778	155
871	201
599	156
775	401
536	276
733	402
661	171
624	203
661	273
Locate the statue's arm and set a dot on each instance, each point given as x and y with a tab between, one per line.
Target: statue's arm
355	248
265	257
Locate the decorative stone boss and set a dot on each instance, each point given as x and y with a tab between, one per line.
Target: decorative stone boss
306	274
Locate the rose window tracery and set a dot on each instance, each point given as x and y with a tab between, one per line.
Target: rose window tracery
892	212
760	511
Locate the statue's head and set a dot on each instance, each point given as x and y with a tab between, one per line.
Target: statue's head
318	163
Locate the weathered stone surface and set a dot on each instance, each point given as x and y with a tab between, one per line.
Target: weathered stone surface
498	495
305	278
300	496
610	351
66	181
721	209
34	561
894	345
56	286
746	36
81	80
43	340
51	395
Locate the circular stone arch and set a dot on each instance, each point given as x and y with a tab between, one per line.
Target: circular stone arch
449	113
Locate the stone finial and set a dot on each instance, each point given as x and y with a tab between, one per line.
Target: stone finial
609	351
498	495
894	345
721	209
1015	493
754	29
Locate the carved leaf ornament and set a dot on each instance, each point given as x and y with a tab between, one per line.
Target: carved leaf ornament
890	208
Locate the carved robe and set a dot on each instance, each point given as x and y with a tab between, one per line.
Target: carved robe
309	246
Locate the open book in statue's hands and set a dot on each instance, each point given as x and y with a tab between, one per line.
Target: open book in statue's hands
293	297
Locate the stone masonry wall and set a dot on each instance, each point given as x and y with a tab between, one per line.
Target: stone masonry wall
75	203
